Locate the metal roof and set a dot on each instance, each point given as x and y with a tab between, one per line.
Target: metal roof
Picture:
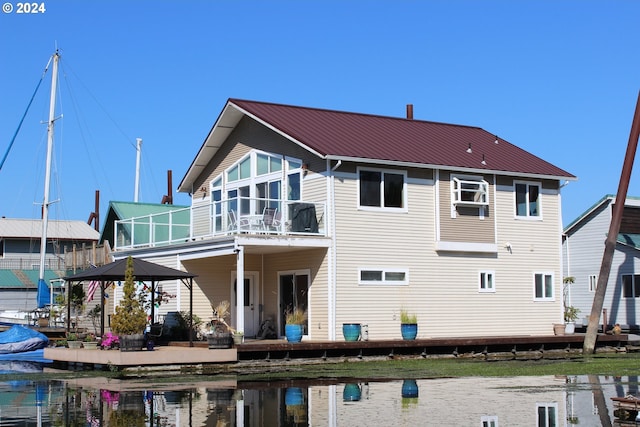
377	139
57	229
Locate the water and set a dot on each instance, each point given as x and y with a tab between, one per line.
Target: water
486	402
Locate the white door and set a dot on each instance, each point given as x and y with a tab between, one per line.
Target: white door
250	304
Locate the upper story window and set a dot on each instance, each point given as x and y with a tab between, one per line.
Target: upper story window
382	189
469	190
527	199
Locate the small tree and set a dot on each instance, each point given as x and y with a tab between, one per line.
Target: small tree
130	317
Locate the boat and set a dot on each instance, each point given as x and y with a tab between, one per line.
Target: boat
20	339
16	317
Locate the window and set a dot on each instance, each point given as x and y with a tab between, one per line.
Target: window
383	276
527	199
593	282
543	286
547	414
382	189
486	281
630	285
469	190
489	421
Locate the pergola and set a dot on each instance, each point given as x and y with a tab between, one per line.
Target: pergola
143	271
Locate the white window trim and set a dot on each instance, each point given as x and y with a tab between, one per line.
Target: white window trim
553	287
547	405
493	281
515	201
491	420
383	282
475	179
593	282
405	198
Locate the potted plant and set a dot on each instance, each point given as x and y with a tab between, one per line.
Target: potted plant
129	319
295	321
220	333
238	337
90	342
72	340
570	312
570	317
408	325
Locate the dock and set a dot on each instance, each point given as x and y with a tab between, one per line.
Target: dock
180	355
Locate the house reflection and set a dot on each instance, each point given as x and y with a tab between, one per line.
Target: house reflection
542	401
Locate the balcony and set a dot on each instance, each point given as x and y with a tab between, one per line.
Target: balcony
263	217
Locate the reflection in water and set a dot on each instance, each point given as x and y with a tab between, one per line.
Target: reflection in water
543	401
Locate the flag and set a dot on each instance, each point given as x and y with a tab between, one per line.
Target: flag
93	285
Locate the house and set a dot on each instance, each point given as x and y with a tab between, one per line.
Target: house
583	249
354	217
20	256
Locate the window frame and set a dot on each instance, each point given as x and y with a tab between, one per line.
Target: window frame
528	185
635	286
382	188
548	406
544	297
458	181
383	272
593	282
483	274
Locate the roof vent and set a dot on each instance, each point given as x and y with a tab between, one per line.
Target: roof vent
409	111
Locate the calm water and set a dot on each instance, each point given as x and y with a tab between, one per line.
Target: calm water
490	402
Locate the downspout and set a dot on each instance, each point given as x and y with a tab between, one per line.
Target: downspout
331	226
239	250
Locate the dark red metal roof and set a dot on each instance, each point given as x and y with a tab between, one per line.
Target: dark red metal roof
338	134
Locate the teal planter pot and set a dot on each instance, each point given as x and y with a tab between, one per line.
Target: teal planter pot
351	393
293	396
409	331
351	331
293	332
409	388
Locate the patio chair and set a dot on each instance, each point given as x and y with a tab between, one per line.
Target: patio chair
268	218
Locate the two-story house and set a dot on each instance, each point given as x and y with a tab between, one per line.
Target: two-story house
355	217
583	249
20	256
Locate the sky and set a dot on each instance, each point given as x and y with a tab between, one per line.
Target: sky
558	78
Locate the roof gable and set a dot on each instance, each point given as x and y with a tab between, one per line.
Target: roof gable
377	139
57	229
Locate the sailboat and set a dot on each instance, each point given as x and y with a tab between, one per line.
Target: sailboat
43	297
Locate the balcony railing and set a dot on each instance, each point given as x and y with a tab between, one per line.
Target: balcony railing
266	217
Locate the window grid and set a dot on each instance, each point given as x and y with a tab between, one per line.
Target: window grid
630	285
527	200
487	281
543	286
593	282
382	189
384	276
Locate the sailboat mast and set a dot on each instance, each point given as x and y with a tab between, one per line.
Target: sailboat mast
47	176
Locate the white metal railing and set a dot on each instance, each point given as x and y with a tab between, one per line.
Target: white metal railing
243	215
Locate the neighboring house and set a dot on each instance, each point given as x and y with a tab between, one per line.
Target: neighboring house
20	256
583	249
354	217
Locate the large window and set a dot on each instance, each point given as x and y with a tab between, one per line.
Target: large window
543	284
631	285
527	199
382	189
383	276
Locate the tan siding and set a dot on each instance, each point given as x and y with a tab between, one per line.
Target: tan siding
200	217
314	260
468	225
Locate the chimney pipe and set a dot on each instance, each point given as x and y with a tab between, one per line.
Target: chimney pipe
410	111
168	198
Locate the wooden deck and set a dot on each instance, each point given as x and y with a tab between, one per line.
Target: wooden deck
181	354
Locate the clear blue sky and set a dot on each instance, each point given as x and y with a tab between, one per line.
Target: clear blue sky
557	78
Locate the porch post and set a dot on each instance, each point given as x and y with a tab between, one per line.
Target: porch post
239	303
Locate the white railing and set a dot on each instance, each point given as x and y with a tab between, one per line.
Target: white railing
266	217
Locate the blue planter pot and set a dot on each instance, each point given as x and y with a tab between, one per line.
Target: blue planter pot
293	396
409	331
293	332
351	331
409	388
351	393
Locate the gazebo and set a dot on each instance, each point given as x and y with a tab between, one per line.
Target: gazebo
143	271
